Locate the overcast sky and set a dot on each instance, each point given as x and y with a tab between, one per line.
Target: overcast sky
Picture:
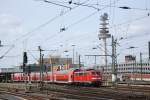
26	24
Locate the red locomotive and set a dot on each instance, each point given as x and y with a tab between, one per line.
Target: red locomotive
71	76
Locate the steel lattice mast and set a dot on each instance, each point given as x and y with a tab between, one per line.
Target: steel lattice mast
104	34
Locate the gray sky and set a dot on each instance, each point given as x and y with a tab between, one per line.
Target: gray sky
20	21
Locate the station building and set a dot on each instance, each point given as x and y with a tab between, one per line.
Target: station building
130	69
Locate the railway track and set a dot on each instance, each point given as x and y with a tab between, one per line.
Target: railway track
61	92
20	96
106	93
23	95
145	90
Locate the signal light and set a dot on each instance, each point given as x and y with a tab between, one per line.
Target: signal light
25	58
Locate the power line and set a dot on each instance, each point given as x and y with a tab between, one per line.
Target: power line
79	21
7	52
86	6
129	21
71	25
39	27
57	4
33	56
44	24
47	22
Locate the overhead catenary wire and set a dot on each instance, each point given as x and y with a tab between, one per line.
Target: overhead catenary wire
71	25
7	52
118	24
120	7
39	27
129	21
57	4
33	56
67	27
79	21
46	23
86	5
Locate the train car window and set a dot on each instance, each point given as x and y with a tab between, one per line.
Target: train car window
93	73
81	74
76	74
98	73
85	74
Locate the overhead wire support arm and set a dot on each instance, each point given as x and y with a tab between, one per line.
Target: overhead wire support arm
98	55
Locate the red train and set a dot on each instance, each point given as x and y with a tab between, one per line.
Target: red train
72	76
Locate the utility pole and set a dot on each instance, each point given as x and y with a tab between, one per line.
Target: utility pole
141	64
67	62
79	62
42	61
149	49
25	60
95	60
114	61
41	69
73	54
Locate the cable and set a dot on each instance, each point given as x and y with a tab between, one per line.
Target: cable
39	27
57	4
33	56
7	52
82	19
136	19
47	22
86	6
79	21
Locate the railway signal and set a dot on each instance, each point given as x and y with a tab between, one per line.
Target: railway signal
25	58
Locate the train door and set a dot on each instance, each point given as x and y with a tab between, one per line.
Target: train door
84	76
71	76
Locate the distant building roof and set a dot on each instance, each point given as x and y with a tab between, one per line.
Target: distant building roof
10	70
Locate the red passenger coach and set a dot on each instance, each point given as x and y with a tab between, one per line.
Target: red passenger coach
64	76
71	76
